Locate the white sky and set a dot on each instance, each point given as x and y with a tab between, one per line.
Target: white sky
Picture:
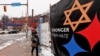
39	7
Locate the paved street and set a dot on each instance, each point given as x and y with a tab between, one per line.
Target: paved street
8	37
19	48
15	45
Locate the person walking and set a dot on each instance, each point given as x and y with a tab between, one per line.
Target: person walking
34	38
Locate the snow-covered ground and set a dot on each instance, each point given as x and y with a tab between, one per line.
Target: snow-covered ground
9	39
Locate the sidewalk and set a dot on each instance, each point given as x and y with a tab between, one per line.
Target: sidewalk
19	48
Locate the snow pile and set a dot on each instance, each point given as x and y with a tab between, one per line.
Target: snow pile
45	51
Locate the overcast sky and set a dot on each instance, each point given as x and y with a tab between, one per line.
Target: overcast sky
39	6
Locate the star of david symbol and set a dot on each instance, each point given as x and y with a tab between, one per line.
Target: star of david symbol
83	18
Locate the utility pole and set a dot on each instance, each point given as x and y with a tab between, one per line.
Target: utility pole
27	20
32	13
27	12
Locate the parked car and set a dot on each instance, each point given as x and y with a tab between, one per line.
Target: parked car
4	32
13	32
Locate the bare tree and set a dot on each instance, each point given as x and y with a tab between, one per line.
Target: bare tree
4	20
